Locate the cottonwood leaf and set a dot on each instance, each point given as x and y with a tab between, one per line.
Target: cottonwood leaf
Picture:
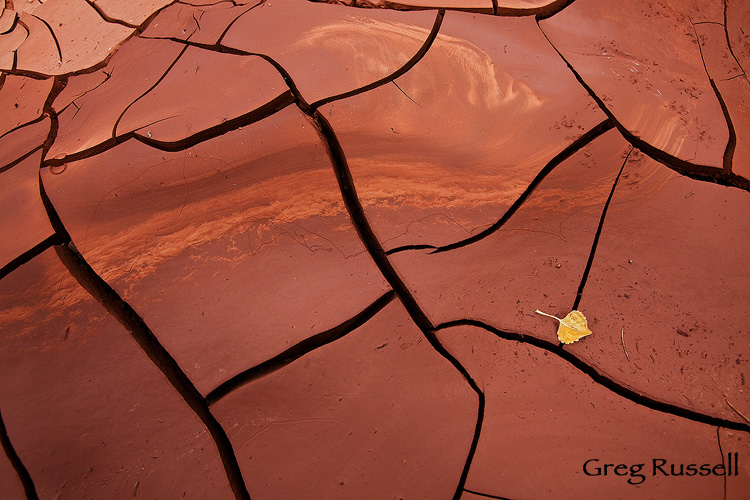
572	327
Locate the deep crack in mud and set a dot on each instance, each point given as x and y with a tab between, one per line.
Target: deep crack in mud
293	249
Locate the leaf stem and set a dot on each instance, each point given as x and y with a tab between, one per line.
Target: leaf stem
549	316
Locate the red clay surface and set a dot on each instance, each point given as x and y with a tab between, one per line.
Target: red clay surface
288	249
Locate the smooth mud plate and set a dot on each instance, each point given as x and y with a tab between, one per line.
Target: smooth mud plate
375	249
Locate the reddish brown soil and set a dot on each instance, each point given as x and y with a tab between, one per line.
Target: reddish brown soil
283	249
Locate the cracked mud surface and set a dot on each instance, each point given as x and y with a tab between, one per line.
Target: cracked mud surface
290	249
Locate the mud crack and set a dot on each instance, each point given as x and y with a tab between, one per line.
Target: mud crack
300	349
600	378
698	172
15	460
148	342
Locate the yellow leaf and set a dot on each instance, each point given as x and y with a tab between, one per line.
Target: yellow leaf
572	327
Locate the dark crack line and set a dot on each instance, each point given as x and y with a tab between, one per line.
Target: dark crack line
226	30
80	269
206	4
401	7
375	250
78	109
183	41
403	248
43	76
141	333
216	47
56	238
84	71
48	111
566	153
732	141
15	460
485	495
729	42
298	99
407	95
362	224
152	87
14	64
721	452
403	69
697	172
599	377
15	162
29	254
300	349
546	11
54	37
705	22
542	12
433	215
595	243
187	38
142	27
266	110
739	75
73	102
21	23
275	105
13	23
80	155
36	120
107	18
